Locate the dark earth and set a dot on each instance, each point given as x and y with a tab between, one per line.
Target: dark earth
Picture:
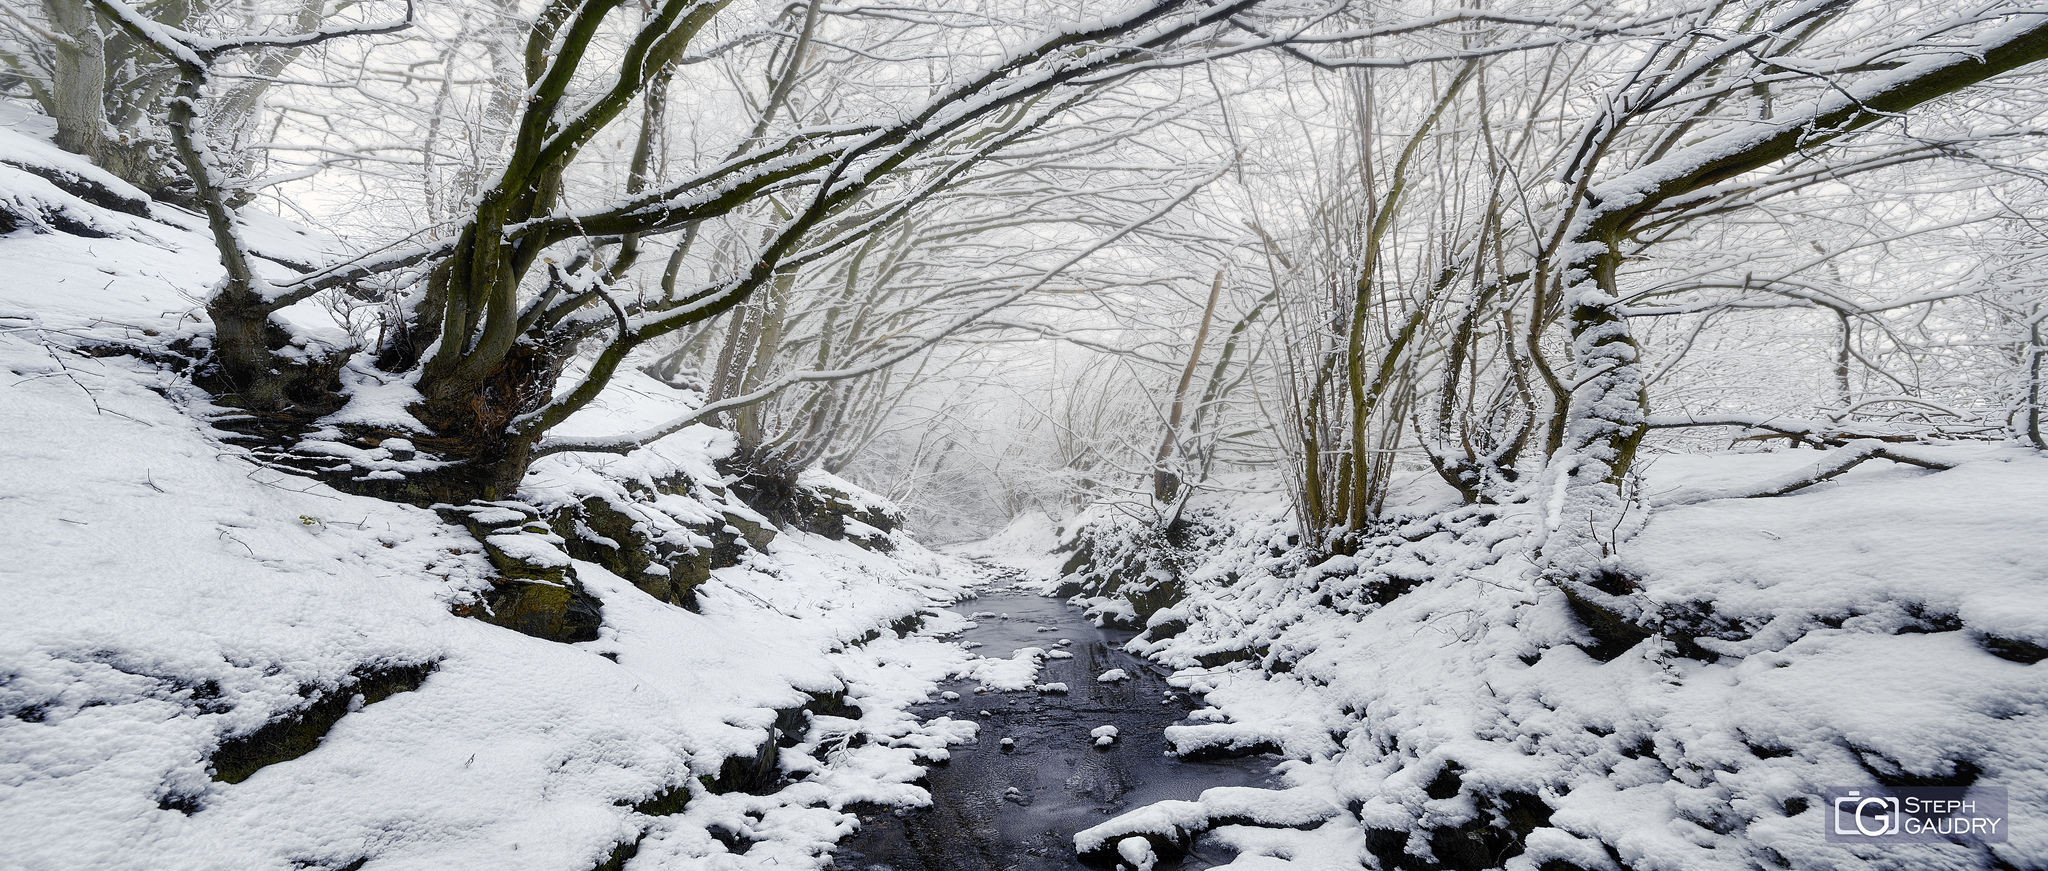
1063	782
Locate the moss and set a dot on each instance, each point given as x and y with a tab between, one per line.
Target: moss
668	802
761	772
594	531
907	624
562	612
544	601
620	855
300	732
2014	649
690	568
1165	629
819	510
1496	834
757	536
599	531
1613	633
1212	660
1155	597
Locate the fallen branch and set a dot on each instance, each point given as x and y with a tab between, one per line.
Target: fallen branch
1830	467
1814	432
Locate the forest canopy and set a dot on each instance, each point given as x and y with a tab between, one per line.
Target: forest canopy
1031	255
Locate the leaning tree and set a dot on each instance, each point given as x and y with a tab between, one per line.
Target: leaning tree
1710	123
485	318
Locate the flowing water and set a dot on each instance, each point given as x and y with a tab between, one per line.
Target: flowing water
1017	809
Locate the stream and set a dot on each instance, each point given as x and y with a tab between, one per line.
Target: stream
1017	808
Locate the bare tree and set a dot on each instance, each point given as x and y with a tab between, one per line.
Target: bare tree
526	276
1701	159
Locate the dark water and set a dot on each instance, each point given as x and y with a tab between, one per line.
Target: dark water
1063	783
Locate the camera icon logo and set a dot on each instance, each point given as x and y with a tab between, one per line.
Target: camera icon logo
1914	814
1871	816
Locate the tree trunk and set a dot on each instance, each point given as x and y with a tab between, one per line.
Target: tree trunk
2036	350
78	84
1165	479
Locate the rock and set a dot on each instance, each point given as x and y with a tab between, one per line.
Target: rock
536	592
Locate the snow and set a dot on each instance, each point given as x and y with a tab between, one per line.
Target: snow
1844	633
1138	852
1176	821
167	594
1026	544
28	148
862	500
1019	672
530	549
1113	675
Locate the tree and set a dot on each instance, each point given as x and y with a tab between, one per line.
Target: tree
1698	161
106	89
527	276
1497	322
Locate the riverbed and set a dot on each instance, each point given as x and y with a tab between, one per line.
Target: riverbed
1016	808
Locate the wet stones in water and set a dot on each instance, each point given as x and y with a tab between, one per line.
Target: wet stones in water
1040	772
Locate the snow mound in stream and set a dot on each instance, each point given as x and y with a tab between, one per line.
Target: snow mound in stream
1019	672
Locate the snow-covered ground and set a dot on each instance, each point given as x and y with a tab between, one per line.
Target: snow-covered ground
166	597
1442	707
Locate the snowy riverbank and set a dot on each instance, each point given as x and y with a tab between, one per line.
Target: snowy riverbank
1449	710
207	663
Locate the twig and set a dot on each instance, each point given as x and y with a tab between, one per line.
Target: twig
66	370
245	545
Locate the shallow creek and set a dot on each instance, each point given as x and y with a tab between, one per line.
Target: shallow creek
1017	808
